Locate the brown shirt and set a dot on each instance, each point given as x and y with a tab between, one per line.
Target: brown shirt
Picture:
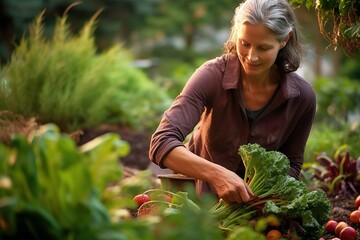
211	104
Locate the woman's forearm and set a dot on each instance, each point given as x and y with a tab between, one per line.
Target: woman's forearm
183	161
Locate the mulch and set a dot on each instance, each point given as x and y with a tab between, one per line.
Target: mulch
139	143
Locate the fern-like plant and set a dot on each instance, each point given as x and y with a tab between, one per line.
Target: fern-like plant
66	81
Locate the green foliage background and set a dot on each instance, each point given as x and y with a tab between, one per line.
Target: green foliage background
65	80
338	102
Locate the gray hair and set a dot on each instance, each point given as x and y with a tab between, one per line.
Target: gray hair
279	17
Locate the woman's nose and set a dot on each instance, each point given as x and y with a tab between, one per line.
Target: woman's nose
252	55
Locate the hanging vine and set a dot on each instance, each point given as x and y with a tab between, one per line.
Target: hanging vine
338	21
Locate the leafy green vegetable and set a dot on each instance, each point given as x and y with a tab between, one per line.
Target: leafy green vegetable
266	172
277	193
52	190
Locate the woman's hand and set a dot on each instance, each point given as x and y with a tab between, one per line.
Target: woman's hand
230	187
227	184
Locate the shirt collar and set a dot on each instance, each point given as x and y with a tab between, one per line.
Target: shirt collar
232	72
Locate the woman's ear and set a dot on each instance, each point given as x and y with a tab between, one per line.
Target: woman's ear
286	40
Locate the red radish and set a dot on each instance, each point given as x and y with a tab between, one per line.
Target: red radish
140	199
357	201
273	234
348	233
341	225
355	216
330	226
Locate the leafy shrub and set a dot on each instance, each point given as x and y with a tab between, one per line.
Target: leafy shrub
337	99
65	81
50	189
275	192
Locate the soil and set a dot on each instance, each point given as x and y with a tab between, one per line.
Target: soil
138	141
342	207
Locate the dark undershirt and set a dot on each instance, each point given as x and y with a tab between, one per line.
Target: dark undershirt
252	115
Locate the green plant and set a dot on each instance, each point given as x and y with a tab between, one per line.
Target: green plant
66	81
277	193
51	190
338	21
337	98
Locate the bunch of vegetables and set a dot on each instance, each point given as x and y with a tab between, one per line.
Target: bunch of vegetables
281	206
275	192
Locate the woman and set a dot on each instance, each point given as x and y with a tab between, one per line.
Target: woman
248	95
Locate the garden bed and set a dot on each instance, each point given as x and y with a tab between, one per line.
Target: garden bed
138	158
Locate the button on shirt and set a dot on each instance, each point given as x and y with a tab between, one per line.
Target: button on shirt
211	109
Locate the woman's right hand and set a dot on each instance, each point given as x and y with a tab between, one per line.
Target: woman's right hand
230	187
227	184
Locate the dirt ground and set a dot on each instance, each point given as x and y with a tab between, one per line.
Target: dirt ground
139	141
342	207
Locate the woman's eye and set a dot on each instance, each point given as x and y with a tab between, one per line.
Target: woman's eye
264	48
244	43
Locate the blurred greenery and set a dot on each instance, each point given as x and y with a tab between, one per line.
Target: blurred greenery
327	139
51	189
337	99
64	80
337	120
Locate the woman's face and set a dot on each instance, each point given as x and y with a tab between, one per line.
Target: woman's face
257	48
